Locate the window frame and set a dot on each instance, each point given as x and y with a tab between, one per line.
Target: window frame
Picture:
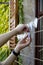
37	35
13	17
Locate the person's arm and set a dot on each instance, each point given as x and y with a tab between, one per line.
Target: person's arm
21	44
5	37
9	60
0	63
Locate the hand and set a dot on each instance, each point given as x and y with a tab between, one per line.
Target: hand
22	28
22	44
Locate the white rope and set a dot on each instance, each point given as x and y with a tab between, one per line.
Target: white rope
40	17
38	31
18	62
33	32
41	50
28	57
38	46
32	57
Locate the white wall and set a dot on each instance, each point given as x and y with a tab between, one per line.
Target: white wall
29	15
29	10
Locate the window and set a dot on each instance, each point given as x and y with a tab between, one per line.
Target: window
39	36
13	21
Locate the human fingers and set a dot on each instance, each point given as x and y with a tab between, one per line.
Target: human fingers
26	28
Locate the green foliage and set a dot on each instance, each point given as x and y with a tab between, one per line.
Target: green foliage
4	0
20	60
4	18
21	14
4	52
4	27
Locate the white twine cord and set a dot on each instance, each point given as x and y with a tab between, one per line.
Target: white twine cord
18	62
32	57
41	50
28	57
33	32
37	31
38	46
40	17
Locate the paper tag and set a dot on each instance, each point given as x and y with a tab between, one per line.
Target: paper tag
35	22
21	36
